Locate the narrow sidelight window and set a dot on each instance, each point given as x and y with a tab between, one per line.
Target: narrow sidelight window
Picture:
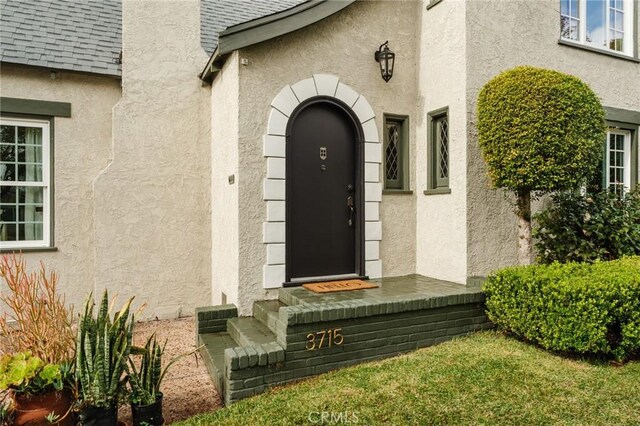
396	152
438	150
618	161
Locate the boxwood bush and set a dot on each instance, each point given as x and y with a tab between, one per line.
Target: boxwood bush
580	308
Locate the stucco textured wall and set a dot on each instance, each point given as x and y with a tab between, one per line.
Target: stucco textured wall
441	224
224	196
82	148
502	35
341	45
152	202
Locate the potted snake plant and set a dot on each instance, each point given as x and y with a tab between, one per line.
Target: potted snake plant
103	348
145	395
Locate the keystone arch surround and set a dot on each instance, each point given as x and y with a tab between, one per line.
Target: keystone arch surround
274	186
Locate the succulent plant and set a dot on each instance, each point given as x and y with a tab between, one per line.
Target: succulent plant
103	347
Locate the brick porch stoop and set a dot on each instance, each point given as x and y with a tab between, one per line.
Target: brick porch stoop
304	334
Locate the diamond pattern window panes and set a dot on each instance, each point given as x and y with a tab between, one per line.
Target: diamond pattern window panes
443	148
395	152
24	204
392	152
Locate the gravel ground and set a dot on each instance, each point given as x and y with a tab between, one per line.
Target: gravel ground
187	387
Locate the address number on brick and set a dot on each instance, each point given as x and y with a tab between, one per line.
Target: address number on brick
324	339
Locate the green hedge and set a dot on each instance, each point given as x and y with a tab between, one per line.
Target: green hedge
587	228
580	308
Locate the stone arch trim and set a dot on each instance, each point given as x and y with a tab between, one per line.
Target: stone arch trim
274	186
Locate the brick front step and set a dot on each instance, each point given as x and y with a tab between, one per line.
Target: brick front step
312	334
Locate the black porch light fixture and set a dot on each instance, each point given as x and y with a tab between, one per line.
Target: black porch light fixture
385	57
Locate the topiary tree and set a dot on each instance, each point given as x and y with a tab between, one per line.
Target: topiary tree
540	131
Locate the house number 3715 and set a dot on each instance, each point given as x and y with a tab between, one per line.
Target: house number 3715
324	339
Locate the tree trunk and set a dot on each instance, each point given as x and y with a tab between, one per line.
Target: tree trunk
524	227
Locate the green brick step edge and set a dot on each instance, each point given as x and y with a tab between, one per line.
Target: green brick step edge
266	311
242	357
308	313
248	331
213	353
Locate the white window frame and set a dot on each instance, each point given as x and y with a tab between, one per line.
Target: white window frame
626	178
45	183
628	26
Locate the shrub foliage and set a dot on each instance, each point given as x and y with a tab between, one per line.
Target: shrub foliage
586	228
575	307
539	129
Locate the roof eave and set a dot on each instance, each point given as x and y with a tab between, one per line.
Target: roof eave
268	27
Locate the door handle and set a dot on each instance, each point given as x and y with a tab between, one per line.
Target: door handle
352	209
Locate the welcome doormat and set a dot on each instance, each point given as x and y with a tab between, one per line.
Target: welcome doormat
333	286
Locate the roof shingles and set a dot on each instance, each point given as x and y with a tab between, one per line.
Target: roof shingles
60	34
86	35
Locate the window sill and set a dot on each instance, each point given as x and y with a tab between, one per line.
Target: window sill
28	249
433	3
596	50
437	191
397	192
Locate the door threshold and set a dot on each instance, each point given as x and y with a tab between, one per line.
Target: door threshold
296	282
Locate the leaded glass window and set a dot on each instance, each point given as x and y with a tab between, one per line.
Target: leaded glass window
395	152
442	130
438	150
24	183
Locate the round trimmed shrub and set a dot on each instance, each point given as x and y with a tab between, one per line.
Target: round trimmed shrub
579	308
540	130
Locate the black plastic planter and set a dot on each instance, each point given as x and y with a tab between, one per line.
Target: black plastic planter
98	416
150	415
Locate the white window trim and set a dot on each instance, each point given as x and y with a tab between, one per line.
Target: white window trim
627	158
629	30
45	184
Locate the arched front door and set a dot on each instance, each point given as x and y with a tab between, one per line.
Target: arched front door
324	193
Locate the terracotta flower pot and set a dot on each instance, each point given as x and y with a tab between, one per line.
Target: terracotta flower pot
33	410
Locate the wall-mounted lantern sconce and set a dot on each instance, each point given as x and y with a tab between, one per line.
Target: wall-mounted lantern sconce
385	57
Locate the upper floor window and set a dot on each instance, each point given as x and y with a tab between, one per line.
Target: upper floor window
601	24
24	183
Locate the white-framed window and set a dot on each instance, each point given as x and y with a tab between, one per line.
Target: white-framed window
25	205
601	24
618	161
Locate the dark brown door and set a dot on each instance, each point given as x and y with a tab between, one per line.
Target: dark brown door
323	214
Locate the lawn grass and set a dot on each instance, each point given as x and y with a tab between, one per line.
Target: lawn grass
485	378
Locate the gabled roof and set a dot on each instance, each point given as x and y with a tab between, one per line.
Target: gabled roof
86	35
70	35
217	15
268	27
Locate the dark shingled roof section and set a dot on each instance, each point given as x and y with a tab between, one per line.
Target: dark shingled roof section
217	15
86	35
69	35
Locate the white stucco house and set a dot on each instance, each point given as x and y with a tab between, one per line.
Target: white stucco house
195	152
